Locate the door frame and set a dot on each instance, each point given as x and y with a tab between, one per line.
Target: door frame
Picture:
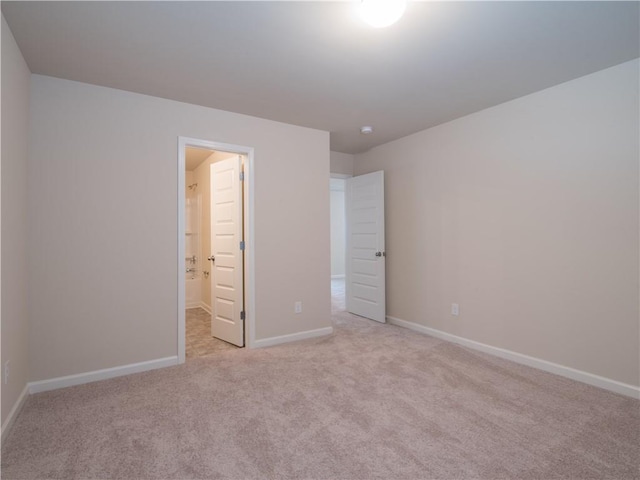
249	237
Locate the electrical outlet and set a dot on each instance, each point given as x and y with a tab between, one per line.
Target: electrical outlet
7	366
297	307
455	309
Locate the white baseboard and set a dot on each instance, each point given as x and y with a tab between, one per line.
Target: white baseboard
201	305
13	414
293	337
335	277
568	372
88	377
205	307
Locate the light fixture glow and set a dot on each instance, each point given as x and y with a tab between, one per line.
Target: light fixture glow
366	130
382	13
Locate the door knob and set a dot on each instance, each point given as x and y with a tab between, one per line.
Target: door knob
212	258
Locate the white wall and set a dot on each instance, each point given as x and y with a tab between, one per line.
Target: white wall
188	180
526	214
103	231
192	240
15	125
338	239
342	163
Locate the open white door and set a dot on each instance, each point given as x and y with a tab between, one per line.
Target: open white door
365	272
227	282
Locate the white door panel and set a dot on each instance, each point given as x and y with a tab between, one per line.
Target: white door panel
365	272
364	267
365	242
227	296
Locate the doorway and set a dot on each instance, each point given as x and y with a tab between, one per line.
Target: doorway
363	252
338	240
215	247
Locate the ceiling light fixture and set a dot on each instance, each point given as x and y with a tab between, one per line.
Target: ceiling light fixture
382	13
366	130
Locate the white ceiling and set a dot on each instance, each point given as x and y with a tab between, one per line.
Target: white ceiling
193	157
315	64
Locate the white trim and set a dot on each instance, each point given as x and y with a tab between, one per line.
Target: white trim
293	337
249	237
337	188
182	166
13	414
568	372
340	175
201	305
250	252
205	307
335	277
97	375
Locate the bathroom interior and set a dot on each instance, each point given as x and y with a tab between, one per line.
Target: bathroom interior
198	339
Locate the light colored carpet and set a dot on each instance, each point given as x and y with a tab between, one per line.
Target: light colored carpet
370	401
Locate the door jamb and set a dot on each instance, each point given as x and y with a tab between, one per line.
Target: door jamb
249	238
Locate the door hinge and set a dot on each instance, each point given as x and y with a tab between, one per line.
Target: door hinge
242	245
242	176
242	315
